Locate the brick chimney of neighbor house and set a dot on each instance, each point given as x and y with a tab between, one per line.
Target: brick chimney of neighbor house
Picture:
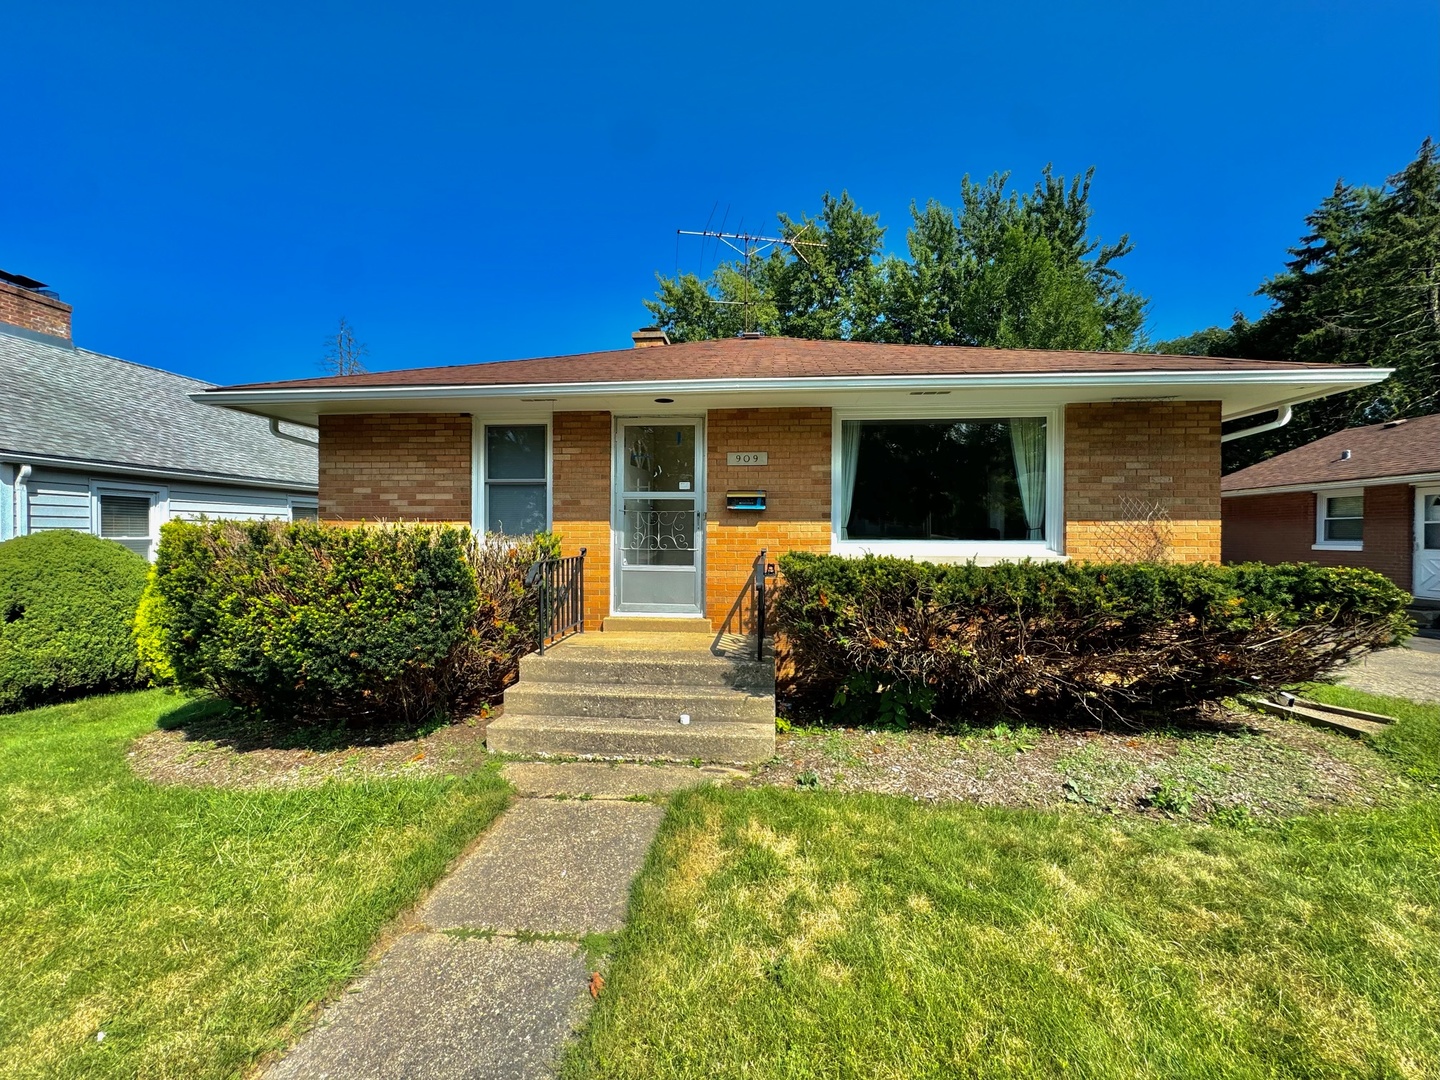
27	303
649	336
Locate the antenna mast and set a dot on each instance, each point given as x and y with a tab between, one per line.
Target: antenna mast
751	247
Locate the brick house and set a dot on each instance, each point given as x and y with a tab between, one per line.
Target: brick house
675	464
1365	496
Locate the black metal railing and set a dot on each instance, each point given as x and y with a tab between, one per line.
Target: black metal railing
560	610
760	571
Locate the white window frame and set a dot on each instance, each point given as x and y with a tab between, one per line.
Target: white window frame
159	506
1321	504
479	472
1051	547
308	502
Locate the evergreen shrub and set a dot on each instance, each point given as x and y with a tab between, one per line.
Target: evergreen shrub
889	638
66	603
361	625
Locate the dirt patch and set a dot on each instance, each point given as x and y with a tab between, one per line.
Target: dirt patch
1237	765
206	745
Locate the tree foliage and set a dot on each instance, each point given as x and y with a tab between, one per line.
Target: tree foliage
1361	287
365	625
893	638
66	602
1002	269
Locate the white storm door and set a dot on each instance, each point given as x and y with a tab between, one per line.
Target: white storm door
1427	543
659	511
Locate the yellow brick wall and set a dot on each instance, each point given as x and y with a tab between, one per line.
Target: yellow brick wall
797	485
1123	459
395	467
580	500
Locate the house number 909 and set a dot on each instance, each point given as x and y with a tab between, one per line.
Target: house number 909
748	457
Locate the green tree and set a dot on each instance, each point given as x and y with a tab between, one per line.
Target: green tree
1013	271
1003	270
1361	287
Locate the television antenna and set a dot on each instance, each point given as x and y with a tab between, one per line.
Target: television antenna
750	247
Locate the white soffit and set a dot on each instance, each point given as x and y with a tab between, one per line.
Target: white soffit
1241	393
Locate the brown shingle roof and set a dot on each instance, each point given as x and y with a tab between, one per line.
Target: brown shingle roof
778	358
1377	451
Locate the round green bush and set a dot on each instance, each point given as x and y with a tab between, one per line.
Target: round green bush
67	604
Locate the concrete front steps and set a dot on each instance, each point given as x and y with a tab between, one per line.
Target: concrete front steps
619	694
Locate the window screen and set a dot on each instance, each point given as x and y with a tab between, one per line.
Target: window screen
1431	538
515	494
1344	518
126	518
304	513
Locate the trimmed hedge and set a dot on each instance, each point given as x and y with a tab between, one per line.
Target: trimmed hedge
66	603
888	638
370	624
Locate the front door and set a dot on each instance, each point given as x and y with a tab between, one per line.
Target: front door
1427	543
659	517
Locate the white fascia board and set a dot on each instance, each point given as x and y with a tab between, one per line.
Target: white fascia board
1334	381
1336	485
122	469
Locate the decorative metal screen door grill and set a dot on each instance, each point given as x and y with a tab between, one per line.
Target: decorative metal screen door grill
659	517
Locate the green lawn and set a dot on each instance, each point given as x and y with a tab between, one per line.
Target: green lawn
779	933
1413	740
191	926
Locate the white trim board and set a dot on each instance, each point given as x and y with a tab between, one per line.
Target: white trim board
1051	548
479	511
1321	498
1342	378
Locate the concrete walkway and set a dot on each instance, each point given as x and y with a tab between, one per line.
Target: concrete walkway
1411	671
468	991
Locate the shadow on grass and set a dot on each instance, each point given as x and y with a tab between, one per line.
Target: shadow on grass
217	721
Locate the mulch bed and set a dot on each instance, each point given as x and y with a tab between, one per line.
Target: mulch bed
1237	765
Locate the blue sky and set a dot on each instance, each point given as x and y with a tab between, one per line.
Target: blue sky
213	186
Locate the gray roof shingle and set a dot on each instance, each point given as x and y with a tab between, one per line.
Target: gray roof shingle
60	401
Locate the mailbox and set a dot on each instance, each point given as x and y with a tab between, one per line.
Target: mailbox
745	500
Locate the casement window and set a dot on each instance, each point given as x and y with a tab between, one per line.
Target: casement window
1340	520
515	489
946	485
126	515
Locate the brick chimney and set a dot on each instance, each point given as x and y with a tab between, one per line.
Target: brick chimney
648	337
27	303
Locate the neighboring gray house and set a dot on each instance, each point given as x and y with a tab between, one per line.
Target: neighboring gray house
109	447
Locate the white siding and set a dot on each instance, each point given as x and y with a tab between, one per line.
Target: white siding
7	500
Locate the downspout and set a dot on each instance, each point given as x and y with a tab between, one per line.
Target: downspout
1279	422
275	430
22	501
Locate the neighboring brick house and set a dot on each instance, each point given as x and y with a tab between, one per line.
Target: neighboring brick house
101	445
675	465
1365	496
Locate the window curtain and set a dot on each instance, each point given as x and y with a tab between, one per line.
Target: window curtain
849	460
1027	443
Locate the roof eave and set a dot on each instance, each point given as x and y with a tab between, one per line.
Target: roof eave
1433	476
1342	379
125	468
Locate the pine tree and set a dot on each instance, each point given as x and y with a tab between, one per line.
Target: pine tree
1362	287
